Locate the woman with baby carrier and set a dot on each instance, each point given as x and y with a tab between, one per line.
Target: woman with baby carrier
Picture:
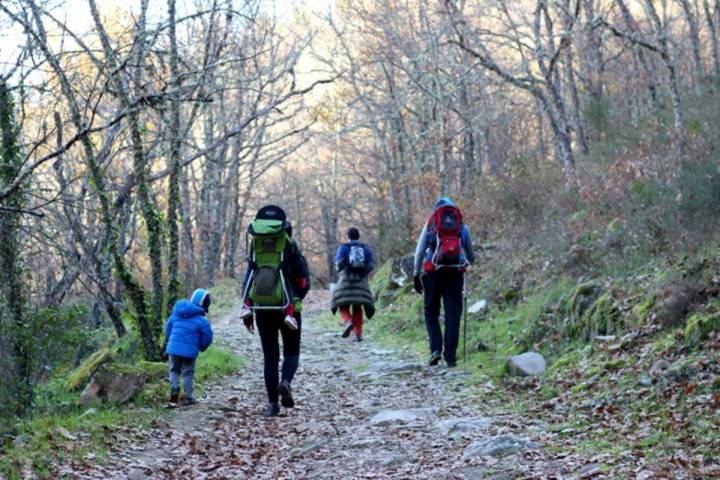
275	283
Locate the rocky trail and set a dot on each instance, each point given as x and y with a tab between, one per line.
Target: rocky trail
362	412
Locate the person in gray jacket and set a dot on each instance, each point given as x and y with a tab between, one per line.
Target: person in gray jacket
444	251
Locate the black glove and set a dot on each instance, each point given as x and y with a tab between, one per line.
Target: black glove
248	321
418	284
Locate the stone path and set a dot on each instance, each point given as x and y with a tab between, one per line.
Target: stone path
362	412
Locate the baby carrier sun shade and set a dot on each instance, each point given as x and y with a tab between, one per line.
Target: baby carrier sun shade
267	287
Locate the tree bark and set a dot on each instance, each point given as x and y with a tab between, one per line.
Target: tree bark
174	286
11	284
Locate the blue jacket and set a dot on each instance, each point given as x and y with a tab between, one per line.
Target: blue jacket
341	257
187	330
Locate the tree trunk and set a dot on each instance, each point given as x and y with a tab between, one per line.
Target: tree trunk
11	284
678	117
693	25
174	179
150	323
713	29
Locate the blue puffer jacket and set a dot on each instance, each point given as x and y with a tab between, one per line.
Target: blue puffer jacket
187	330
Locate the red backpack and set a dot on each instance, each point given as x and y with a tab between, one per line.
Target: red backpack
444	230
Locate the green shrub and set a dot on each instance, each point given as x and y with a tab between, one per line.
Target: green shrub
700	325
699	187
597	114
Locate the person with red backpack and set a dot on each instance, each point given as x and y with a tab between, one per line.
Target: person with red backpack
443	253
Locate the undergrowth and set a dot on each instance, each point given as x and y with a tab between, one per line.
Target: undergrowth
59	430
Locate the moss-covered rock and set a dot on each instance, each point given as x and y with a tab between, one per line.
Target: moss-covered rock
154	370
644	308
582	299
81	375
614	365
511	295
700	325
678	300
602	317
114	383
393	279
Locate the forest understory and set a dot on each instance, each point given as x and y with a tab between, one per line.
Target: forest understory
579	138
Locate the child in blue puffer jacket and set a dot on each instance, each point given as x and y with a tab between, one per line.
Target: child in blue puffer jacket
188	333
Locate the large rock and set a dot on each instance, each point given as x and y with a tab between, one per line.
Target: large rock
526	365
453	426
498	446
480	306
383	369
401	272
395	417
660	368
91	394
113	383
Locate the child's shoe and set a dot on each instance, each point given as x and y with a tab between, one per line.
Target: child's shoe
358	338
348	328
273	410
174	395
291	322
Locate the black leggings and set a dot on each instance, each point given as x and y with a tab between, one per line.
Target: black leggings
268	325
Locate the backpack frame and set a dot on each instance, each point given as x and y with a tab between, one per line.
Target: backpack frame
271	236
435	228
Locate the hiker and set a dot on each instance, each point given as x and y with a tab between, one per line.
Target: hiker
354	262
188	333
443	252
275	283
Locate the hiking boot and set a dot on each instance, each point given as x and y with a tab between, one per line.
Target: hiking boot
451	364
286	398
190	401
358	338
273	410
174	395
291	322
348	329
434	359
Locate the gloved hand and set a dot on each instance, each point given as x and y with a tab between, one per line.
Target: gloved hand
291	322
418	284
245	312
248	321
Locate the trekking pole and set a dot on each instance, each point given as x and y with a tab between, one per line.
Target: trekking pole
465	317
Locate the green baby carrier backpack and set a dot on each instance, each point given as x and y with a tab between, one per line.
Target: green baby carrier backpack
267	239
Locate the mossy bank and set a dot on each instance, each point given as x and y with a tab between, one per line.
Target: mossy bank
632	350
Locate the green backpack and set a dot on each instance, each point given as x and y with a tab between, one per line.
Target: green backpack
267	284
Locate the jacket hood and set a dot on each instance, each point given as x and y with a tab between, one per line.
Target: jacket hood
444	201
187	309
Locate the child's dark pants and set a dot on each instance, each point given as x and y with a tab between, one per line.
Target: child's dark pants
184	366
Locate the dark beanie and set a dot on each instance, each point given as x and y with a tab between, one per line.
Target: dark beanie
271	212
353	233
